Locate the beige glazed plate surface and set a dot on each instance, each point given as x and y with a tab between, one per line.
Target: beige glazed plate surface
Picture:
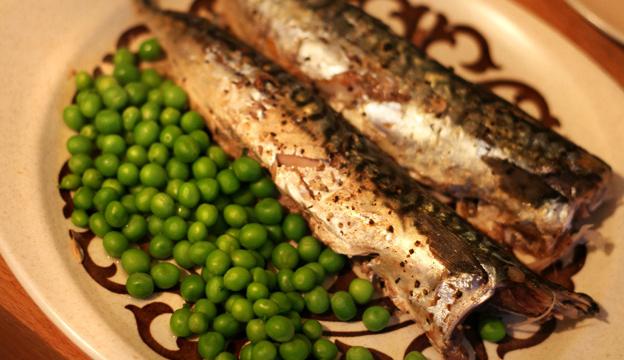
489	41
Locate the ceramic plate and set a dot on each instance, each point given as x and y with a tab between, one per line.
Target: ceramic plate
489	41
607	15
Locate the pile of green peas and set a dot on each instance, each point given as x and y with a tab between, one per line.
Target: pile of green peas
170	204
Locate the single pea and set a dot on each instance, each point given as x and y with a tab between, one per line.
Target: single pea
83	80
247	169
191	120
73	117
90	105
282	300
154	225
243	258
242	310
304	279
146	133
107	164
204	168
185	149
178	322
210	345
309	248
252	236
165	275
130	118
246	352
265	308
105	82
318	270
144	197
128	174
264	350
359	353
128	202
324	349
126	73
295	349
140	285
134	261
89	131
103	197
343	306
218	262
150	50
137	94
269	211
174	228
275	233
227	243
150	111
492	329
78	144
361	290
331	261
108	122
116	214
151	77
230	301
197	232
175	97
70	182
155	96
114	243
255	330
259	275
172	188
280	328
226	325
256	291
202	139
170	116
294	226
235	215
115	185
79	163
415	355
188	194
312	329
225	356
317	300
198	323
80	218
160	247
199	251
216	290
181	254
216	154
375	318
263	188
115	98
206	307
169	134
176	169
99	226
123	56
135	229
207	214
236	278
113	144
284	256
153	175
228	182
192	288
158	153
136	155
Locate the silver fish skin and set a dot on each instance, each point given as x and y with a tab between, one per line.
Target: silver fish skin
436	266
523	184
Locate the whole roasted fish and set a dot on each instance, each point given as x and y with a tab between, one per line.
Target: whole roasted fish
514	179
436	267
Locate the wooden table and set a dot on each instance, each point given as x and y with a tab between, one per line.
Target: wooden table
26	333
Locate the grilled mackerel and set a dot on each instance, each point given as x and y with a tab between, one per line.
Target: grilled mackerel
436	267
521	183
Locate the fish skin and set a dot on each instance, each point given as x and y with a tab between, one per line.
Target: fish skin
435	265
419	112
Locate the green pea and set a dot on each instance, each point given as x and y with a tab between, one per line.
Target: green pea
136	155
151	78
282	300
73	117
177	169
243	258
191	121
247	169
78	144
128	202
309	249
255	330
114	243
135	229
150	111
375	318
361	290
128	174
252	236
123	56
153	175
103	197
343	306
198	323
219	156
304	279
162	205
146	133
246	352
415	355
179	322
199	251
269	211
264	350
99	226
225	356
144	197
197	232
134	261
207	214
126	73
165	275
181	256
107	164
256	291
79	163
324	349
242	310
108	122
115	185
115	98
235	215
331	261
218	262
83	198
206	307
318	270
280	328
137	94
188	195
296	349
236	278
90	105
275	233
317	300
175	97
154	225
185	149
284	256
70	182
296	320
83	80
170	116
192	288
155	96
312	329
158	153
80	218
228	182
140	285
265	308
210	345
294	226
201	138
150	50
263	188
226	325
359	353
174	228
130	117
204	168
227	243
492	329
116	214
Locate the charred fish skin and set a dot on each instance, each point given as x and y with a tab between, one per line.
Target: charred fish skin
436	266
449	133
